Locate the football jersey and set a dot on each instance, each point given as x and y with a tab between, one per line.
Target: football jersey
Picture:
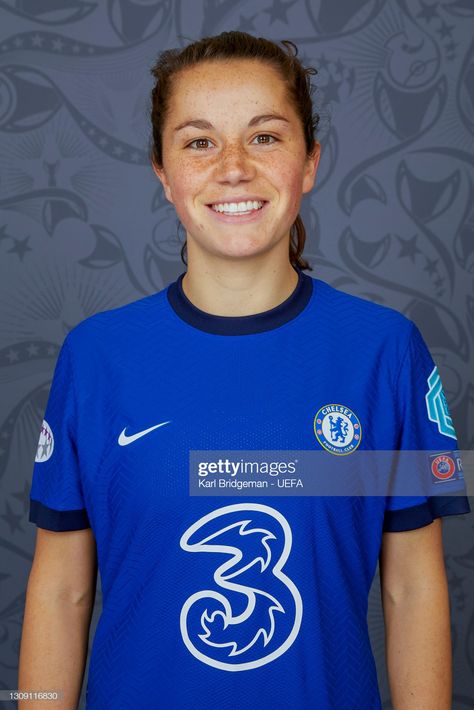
237	598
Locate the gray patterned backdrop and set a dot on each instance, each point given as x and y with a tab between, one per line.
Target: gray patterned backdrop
84	226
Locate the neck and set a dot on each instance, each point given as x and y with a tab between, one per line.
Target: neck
239	290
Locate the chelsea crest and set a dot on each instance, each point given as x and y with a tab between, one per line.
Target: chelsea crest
338	429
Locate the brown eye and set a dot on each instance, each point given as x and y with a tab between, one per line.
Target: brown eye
199	141
266	135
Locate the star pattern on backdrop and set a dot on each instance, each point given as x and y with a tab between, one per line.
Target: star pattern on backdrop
23	496
278	10
13	520
429	11
29	350
20	247
3	233
49	41
445	30
408	247
431	267
246	24
323	63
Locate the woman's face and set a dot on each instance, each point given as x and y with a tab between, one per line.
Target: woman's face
231	136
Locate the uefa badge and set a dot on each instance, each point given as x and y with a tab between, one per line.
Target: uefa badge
45	443
337	429
446	466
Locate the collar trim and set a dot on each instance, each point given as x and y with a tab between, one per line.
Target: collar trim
241	325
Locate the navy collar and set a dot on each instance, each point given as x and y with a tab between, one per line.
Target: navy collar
241	325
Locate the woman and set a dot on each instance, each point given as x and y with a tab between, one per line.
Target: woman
153	406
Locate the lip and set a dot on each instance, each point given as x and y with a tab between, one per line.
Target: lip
237	198
254	216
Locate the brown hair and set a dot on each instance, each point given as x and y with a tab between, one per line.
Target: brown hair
239	45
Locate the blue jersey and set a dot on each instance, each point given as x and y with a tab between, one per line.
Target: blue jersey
272	611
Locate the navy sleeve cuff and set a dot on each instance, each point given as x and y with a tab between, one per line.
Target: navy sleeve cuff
58	520
420	515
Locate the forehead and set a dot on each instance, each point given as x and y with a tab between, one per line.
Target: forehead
227	84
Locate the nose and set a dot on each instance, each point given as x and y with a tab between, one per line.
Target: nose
234	165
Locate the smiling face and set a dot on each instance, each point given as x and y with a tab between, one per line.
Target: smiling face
234	158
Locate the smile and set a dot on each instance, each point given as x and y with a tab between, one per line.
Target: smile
237	207
238	212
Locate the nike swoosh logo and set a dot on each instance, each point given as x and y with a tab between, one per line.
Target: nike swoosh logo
125	440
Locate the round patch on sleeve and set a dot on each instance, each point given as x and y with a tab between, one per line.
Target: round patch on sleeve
45	443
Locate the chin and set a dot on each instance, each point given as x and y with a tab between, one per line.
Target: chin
238	251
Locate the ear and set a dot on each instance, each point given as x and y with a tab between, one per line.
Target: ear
161	175
311	168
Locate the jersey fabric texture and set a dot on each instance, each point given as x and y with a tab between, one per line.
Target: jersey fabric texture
272	613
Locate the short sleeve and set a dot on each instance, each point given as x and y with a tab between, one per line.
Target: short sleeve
425	427
56	496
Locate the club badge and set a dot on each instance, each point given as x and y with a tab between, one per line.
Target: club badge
338	429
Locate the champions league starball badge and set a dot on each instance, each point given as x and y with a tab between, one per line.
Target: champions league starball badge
45	443
338	429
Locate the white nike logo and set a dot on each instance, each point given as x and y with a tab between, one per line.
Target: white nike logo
124	440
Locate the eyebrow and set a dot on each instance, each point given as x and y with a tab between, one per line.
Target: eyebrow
255	121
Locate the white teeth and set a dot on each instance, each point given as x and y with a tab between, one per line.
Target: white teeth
233	207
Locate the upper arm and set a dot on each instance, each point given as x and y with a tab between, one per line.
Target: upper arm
65	565
412	561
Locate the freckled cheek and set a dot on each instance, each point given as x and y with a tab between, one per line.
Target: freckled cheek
189	192
187	189
295	199
290	184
